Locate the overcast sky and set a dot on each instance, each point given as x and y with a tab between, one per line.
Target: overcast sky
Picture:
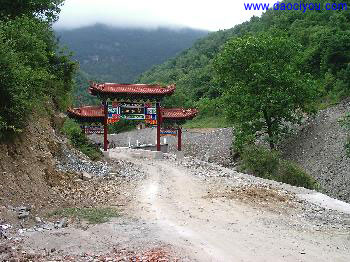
206	14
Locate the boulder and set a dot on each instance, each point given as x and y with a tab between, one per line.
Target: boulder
86	176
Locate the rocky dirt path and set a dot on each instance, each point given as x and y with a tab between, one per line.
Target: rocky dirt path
207	228
192	210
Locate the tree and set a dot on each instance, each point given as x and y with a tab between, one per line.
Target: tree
263	89
31	72
43	9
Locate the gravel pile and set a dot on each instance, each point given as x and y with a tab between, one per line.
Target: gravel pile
319	148
210	145
124	169
115	186
213	146
73	161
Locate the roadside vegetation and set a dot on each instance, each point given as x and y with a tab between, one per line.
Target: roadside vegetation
122	126
345	123
210	116
92	215
33	69
79	140
269	164
264	92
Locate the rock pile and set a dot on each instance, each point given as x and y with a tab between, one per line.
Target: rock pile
214	146
124	169
73	161
23	212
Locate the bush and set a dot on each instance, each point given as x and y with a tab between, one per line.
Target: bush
268	164
72	130
122	126
345	123
92	215
292	174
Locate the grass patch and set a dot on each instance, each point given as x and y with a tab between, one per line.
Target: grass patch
92	215
268	164
73	131
207	122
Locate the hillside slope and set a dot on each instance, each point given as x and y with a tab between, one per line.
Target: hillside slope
35	164
319	148
120	54
323	35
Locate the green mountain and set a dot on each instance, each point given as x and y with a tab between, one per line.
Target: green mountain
121	54
324	36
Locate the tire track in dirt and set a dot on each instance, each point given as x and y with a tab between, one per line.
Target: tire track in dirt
216	229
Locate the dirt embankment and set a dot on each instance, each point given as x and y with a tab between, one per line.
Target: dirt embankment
41	172
27	166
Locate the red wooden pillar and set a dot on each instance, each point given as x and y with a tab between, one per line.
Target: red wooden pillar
159	120
179	139
105	127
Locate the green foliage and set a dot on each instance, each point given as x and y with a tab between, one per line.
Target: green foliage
44	9
268	164
31	72
92	215
263	89
122	126
211	114
192	72
345	123
82	97
207	122
73	131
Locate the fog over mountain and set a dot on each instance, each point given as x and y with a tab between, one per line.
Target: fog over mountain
209	15
112	54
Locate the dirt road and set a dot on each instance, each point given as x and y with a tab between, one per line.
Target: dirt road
220	229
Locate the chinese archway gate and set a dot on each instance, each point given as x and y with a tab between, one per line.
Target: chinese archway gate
133	101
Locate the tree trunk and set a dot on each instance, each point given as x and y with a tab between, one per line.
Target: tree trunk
269	129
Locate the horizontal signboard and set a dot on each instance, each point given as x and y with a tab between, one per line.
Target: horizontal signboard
132	111
133	117
168	132
92	129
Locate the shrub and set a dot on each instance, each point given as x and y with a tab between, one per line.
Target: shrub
292	174
92	215
268	164
122	126
345	123
261	162
72	130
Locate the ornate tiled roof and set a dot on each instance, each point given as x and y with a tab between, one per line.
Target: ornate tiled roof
87	111
134	90
178	113
167	113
